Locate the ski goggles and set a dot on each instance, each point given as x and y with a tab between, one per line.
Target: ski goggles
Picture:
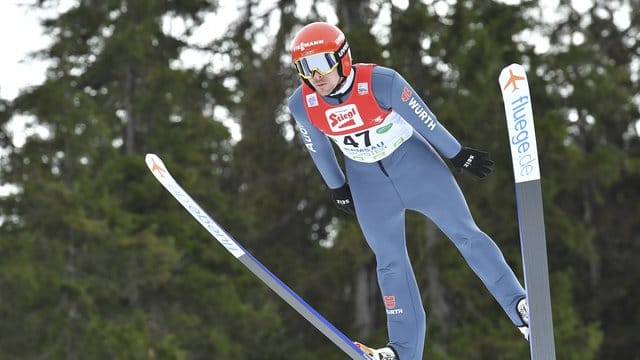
322	63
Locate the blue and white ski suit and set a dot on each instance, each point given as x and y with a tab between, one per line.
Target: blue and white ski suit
396	169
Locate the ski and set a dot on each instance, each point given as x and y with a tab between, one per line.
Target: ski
526	170
160	172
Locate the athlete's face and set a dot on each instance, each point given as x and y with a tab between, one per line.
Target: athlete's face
323	84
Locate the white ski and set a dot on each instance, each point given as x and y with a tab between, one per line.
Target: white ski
526	171
161	173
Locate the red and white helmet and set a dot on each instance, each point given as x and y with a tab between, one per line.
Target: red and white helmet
320	47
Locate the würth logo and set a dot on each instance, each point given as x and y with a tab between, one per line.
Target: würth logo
390	302
406	94
418	109
391	306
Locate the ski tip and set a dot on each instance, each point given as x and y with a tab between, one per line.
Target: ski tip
151	158
514	67
510	76
155	164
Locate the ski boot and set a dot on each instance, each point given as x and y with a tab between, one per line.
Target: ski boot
523	311
385	353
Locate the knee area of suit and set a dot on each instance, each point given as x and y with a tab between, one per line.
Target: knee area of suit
388	268
465	240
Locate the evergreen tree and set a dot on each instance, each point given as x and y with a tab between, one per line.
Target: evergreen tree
591	70
97	257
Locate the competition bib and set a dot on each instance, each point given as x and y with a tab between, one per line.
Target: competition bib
373	143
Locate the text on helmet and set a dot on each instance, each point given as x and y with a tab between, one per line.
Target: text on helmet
303	45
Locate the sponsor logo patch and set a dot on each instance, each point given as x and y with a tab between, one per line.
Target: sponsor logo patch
303	45
384	129
421	112
390	302
344	118
363	88
312	100
406	94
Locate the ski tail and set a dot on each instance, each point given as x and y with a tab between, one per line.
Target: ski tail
526	170
159	170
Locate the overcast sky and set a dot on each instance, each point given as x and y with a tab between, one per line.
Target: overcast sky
20	34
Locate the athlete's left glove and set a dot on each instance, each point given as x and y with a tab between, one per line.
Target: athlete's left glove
475	161
343	200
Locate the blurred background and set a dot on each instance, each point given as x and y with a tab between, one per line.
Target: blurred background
97	261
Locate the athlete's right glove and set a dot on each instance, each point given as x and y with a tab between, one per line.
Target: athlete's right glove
475	161
343	200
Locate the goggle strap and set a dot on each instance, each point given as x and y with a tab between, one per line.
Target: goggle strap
342	51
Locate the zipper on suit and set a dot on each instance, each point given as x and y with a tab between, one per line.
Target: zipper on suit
379	162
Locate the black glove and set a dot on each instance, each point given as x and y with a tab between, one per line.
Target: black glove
343	200
475	161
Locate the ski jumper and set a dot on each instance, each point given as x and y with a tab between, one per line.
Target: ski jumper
388	135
